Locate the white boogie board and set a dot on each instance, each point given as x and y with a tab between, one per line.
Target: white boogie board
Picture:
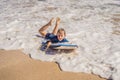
64	46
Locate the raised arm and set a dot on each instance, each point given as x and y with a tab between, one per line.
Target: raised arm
55	30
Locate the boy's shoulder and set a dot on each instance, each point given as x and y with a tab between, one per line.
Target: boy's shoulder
49	36
64	40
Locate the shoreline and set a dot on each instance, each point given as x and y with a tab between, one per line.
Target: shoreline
15	65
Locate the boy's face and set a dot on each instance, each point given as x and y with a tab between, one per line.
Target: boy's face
61	35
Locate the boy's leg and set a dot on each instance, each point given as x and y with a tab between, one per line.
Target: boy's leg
55	30
42	29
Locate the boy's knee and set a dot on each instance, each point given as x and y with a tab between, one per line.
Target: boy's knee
42	32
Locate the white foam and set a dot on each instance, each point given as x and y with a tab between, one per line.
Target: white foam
88	23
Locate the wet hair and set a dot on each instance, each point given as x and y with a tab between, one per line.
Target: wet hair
61	29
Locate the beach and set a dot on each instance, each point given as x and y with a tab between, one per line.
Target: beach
14	65
92	25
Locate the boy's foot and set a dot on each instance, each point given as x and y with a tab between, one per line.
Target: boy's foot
57	20
51	21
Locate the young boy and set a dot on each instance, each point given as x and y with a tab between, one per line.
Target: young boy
58	35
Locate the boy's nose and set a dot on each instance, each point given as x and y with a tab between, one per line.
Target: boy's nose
60	36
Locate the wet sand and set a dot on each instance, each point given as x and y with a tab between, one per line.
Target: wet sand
15	65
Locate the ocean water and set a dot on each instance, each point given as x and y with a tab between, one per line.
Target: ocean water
94	25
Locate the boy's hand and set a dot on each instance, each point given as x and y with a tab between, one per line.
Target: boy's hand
48	45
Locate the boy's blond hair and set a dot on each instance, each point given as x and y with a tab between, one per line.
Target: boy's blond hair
61	29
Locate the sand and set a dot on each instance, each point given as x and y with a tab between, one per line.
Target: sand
14	65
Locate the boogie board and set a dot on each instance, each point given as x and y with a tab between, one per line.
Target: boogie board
63	46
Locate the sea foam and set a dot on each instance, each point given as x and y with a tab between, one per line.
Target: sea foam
94	25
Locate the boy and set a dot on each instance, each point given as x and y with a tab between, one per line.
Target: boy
57	36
